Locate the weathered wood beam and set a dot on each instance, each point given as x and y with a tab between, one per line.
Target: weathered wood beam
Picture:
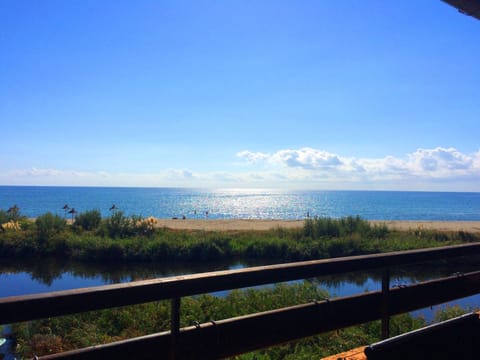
37	306
238	335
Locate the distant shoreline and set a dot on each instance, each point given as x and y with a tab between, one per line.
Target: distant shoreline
263	225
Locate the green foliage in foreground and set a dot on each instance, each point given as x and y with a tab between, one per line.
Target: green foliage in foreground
64	333
122	238
76	331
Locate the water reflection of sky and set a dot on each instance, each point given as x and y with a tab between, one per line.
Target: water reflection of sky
23	284
39	280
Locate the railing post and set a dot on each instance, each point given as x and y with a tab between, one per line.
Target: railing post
175	327
385	304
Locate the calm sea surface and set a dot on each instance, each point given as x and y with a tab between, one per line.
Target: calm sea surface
245	203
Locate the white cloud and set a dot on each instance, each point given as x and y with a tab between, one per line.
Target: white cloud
307	158
253	157
179	174
35	176
308	163
441	161
437	169
51	173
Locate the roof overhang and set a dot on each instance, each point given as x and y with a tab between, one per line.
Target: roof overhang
467	7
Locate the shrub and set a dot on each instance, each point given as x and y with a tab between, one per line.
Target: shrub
89	220
3	217
467	237
49	225
327	227
378	231
144	226
11	226
118	225
449	312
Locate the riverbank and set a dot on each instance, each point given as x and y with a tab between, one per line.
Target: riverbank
263	225
120	238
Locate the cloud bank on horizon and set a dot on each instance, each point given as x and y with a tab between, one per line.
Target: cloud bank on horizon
424	169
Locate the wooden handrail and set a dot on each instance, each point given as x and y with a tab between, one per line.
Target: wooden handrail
249	332
30	307
229	337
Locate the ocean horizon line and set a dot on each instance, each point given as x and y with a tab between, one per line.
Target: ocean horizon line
294	190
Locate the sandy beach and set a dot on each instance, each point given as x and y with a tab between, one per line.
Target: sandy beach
247	224
228	224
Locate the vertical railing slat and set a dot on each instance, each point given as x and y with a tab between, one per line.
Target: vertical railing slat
385	303
175	327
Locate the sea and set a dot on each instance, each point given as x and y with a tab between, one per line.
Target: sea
244	203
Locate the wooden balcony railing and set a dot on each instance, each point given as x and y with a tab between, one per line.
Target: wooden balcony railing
228	337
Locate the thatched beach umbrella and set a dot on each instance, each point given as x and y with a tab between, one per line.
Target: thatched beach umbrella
13	212
65	208
14	208
73	212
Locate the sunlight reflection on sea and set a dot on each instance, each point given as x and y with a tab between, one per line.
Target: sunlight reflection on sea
245	203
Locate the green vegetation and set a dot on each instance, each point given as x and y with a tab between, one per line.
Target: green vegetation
76	331
12	214
122	238
118	237
89	220
48	225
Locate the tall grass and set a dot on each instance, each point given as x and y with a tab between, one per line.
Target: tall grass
325	227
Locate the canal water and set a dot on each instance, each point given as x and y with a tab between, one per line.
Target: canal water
51	275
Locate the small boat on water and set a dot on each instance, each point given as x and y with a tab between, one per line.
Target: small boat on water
2	341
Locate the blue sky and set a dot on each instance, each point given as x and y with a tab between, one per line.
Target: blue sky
284	94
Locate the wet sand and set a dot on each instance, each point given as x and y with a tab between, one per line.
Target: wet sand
262	225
